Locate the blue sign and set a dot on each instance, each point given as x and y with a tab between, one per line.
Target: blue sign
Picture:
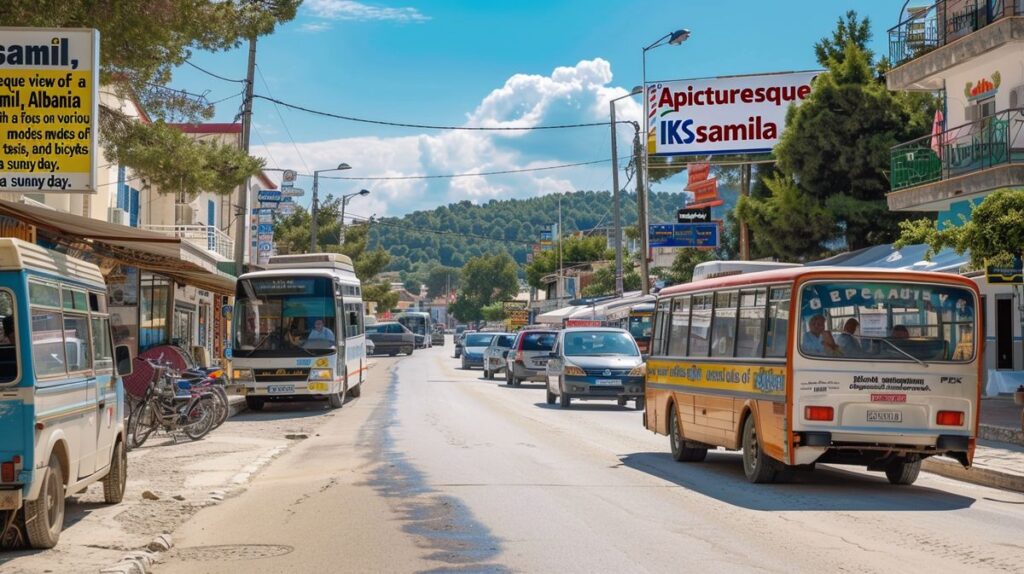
266	228
269	196
263	211
684	235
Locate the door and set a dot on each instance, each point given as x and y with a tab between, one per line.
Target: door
1004	334
107	406
341	331
78	362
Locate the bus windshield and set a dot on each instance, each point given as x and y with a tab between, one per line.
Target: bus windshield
641	326
415	323
887	321
284	317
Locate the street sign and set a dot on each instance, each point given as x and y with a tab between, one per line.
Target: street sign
698	215
266	246
263	211
684	235
266	228
292	192
288	176
1006	275
268	196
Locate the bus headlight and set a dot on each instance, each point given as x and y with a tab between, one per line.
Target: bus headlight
638	371
320	375
242	375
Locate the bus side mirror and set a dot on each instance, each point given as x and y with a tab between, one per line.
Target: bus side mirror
123	359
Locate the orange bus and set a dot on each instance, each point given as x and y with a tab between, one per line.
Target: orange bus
798	366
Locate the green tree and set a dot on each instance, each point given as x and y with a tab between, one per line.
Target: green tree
603	281
789	224
683	265
141	43
440	278
493	312
575	251
994	234
485	280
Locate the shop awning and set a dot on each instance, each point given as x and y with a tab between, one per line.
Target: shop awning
155	252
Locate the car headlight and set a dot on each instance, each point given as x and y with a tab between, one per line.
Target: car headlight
638	371
320	375
242	375
574	371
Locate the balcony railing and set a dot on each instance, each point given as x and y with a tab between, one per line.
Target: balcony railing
988	142
928	27
205	237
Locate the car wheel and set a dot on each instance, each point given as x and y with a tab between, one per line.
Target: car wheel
758	467
640	401
509	381
44	516
255	403
487	374
681	453
903	472
621	402
551	396
114	482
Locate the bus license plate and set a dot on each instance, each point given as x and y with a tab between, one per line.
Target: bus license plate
608	382
280	389
885	416
10	499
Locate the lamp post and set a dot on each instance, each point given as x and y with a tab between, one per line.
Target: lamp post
344	202
616	200
674	38
315	207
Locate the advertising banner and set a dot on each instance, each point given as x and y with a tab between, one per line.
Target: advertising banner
684	235
49	106
268	196
735	114
1011	275
698	215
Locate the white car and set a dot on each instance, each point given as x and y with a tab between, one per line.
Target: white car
496	353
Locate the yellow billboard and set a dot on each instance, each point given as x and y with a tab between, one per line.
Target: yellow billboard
49	79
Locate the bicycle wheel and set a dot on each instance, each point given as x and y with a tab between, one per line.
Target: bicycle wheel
221	398
143	423
199	417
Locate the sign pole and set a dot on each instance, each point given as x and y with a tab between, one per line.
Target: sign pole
744	231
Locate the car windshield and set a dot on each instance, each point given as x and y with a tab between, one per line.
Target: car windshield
887	321
599	343
504	341
285	316
479	339
541	341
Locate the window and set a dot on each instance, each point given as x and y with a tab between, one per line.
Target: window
43	294
75	300
353	319
750	335
723	332
680	328
700	325
154	300
97	302
8	340
986	108
537	341
659	344
778	322
101	345
77	349
48	353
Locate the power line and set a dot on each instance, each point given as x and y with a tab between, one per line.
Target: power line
209	73
283	123
429	126
452	175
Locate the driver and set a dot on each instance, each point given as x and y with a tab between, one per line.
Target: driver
320	332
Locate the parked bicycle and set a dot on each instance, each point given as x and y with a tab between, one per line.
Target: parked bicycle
173	404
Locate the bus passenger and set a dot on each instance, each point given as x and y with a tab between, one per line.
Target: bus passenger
900	332
847	340
816	340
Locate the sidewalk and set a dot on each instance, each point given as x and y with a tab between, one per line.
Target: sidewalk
999	457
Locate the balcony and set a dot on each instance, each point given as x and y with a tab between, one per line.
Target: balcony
207	237
928	29
971	158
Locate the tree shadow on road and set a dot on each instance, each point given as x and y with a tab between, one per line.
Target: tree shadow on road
826	488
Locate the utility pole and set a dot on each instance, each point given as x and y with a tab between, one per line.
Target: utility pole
314	211
616	205
641	203
561	280
242	220
744	232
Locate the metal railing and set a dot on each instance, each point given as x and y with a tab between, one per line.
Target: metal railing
928	27
207	237
988	142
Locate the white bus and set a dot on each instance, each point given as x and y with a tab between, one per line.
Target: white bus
420	323
298	331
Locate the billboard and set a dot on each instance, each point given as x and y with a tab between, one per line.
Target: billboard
683	234
49	79
734	114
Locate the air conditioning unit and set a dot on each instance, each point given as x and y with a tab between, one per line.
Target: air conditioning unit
117	215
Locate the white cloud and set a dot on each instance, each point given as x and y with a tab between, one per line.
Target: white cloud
572	94
351	10
315	27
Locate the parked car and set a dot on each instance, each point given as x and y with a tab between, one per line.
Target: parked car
391	338
473	347
528	358
371	348
437	337
495	354
592	363
459	340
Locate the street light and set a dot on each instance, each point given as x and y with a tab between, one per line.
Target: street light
315	207
674	39
616	200
344	202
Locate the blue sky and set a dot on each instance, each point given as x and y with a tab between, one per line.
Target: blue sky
454	62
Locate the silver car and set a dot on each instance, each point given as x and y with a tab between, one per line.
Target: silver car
496	353
595	364
528	358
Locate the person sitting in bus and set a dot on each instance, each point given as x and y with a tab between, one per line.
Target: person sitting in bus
816	340
848	340
320	336
900	332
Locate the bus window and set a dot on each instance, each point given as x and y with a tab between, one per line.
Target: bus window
680	329
723	332
76	343
8	340
660	329
47	343
778	322
700	325
749	337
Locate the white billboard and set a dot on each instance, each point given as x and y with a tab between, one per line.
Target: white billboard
733	114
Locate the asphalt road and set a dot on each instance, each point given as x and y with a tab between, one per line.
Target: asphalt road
436	469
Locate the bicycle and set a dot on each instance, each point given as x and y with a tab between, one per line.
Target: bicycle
165	406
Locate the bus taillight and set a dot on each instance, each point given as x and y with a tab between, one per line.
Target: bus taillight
9	470
950	418
818	413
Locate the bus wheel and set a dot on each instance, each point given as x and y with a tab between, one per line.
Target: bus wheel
681	453
338	399
758	467
355	391
640	402
902	471
564	401
44	516
551	397
255	403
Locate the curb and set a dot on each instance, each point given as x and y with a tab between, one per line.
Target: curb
976	475
141	561
236	405
1001	434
